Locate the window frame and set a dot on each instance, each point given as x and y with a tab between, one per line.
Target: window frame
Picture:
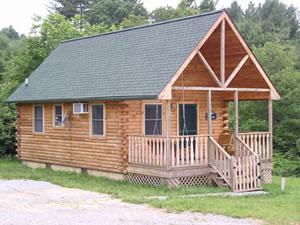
91	121
54	115
162	119
43	120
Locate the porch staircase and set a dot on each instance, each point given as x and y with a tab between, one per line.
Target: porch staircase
218	180
240	172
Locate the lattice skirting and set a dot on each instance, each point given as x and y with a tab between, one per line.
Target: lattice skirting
267	176
188	181
143	179
172	182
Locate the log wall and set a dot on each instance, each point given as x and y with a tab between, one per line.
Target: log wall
77	148
71	147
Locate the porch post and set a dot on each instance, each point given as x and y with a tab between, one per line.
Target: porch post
209	124
222	53
169	155
236	120
271	126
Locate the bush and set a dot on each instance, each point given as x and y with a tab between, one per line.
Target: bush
286	165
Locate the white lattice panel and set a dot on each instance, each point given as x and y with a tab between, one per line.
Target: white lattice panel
143	179
267	176
172	182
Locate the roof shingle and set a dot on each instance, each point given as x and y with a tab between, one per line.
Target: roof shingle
132	63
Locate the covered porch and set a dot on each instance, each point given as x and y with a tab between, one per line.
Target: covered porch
242	164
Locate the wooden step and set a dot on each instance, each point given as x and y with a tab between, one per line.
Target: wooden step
218	180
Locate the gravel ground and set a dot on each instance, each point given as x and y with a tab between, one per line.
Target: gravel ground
26	202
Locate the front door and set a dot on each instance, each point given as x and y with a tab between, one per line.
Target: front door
190	119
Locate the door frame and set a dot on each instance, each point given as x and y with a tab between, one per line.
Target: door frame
178	115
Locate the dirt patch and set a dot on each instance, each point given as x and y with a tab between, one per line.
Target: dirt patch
26	202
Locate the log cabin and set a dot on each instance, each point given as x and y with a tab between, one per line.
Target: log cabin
149	104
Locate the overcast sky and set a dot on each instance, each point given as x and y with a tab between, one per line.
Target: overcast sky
19	13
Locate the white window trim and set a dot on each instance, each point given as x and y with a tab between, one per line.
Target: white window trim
91	111
37	132
162	119
62	115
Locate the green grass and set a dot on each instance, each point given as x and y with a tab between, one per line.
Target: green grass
274	208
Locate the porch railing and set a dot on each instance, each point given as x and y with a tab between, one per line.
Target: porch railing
147	150
189	150
152	150
259	142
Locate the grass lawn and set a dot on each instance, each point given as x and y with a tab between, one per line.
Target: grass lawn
274	208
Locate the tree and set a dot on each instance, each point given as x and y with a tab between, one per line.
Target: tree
270	21
113	12
184	8
207	6
69	8
133	21
235	11
10	32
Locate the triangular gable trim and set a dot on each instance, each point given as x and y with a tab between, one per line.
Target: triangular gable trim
166	91
274	93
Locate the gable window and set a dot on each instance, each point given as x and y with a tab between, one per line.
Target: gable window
98	120
153	119
58	115
38	119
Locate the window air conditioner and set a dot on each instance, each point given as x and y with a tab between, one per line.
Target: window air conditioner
80	108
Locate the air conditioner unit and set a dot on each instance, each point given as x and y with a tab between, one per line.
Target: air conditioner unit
80	108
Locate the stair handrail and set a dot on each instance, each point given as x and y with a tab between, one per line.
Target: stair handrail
220	147
225	174
247	147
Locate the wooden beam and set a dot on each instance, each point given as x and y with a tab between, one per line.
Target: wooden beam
236	70
270	106
169	155
236	120
220	89
248	96
209	124
209	69
274	93
222	53
163	94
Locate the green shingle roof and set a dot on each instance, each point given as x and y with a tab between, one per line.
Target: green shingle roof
131	63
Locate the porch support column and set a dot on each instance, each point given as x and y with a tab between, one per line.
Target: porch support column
271	126
236	120
222	53
169	155
209	124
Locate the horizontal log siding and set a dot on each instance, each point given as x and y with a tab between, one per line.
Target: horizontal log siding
72	148
200	98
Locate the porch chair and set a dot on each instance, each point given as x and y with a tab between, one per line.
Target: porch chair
226	142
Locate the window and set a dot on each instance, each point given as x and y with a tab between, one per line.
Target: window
98	120
38	119
153	119
58	115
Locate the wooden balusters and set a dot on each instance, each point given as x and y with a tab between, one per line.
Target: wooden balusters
221	161
152	150
259	142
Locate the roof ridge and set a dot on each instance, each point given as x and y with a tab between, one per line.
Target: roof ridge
145	26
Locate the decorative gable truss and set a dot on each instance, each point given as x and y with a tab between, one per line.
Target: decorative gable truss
229	61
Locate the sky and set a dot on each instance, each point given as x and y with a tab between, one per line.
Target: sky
20	13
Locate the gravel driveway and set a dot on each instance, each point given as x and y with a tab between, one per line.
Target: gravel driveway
26	202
